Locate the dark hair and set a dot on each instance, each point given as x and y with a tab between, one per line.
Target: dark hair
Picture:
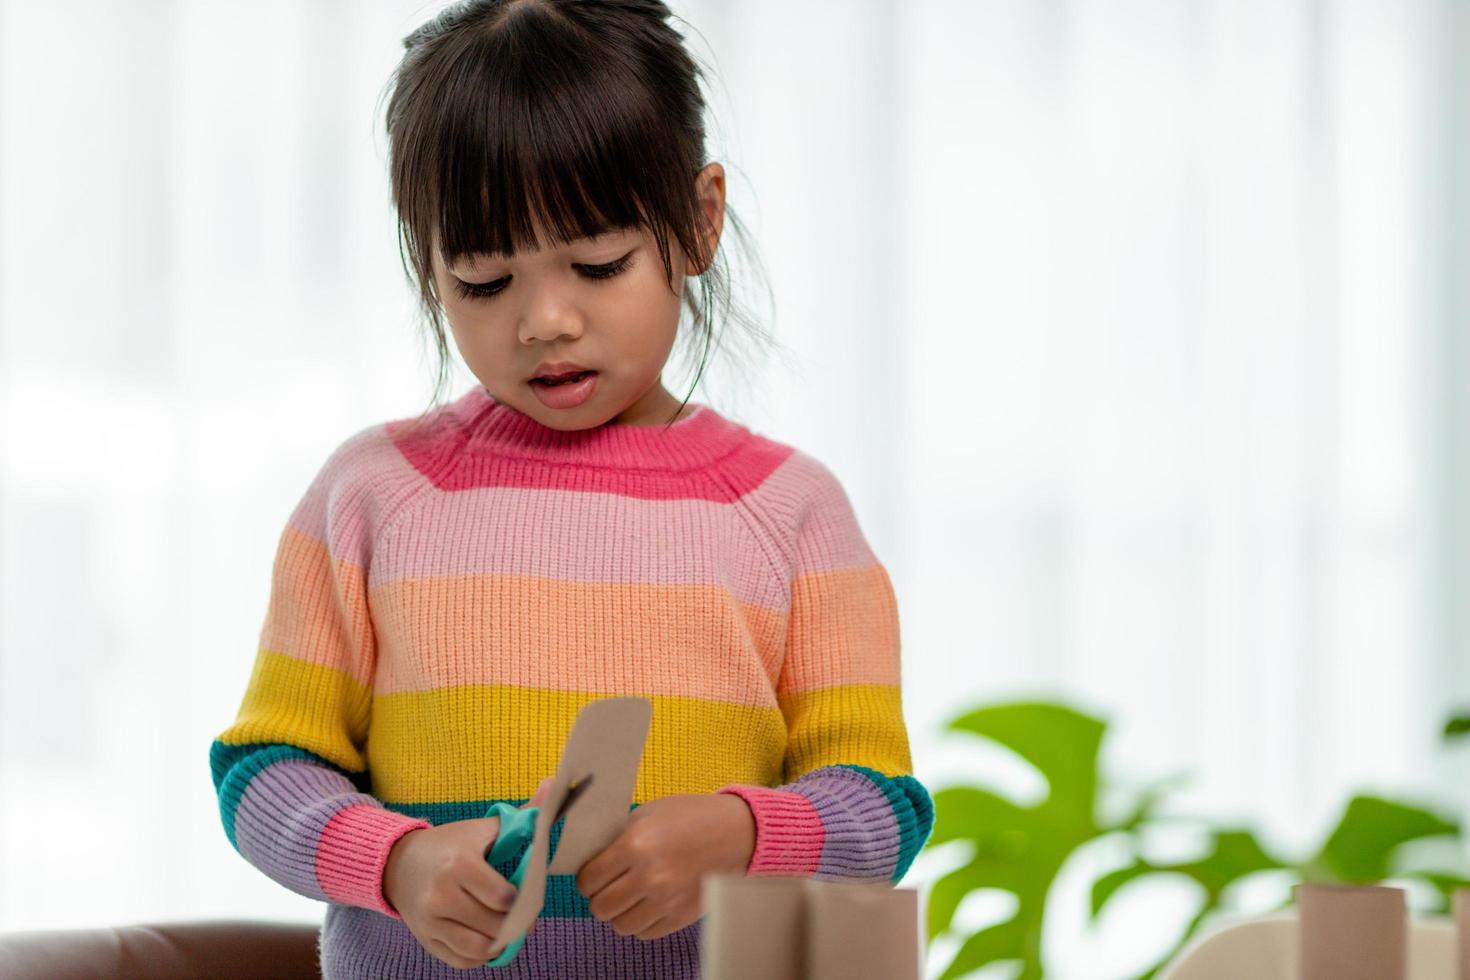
587	112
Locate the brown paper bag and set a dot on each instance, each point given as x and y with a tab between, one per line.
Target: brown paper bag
1352	932
796	928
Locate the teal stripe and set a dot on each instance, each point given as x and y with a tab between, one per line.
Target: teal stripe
563	901
913	809
233	766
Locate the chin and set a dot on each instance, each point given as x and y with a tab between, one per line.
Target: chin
565	420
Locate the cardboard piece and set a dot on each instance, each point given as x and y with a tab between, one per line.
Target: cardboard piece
862	930
1462	929
606	741
796	928
1352	932
753	927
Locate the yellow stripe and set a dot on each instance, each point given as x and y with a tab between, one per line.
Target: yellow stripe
318	708
857	724
497	741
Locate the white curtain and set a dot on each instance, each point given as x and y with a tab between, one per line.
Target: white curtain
1136	330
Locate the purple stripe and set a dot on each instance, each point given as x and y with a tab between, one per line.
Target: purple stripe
361	944
861	829
281	816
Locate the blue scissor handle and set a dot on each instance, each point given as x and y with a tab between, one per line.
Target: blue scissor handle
517	824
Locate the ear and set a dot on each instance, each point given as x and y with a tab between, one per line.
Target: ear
709	189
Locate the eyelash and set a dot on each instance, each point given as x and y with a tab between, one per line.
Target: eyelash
482	290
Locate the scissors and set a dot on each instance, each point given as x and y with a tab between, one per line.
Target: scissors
517	826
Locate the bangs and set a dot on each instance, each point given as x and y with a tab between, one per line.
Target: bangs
533	125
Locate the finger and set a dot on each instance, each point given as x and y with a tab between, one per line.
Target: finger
474	917
538	798
614	900
488	888
603	870
443	952
660	929
633	921
466	943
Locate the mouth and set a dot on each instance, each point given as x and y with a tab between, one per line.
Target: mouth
555	380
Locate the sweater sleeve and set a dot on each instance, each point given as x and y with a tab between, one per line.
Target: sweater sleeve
849	806
291	772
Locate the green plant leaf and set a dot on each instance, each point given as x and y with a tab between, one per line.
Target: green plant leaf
1360	849
1148	799
1019	849
1061	743
1457	726
950	890
992	944
967	812
1233	855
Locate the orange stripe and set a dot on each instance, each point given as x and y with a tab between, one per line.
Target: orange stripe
318	612
686	640
843	630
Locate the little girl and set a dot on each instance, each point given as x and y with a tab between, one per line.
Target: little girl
453	588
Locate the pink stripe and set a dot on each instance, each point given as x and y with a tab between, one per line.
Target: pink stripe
355	492
743	470
478	442
575	536
353	851
788	831
586	538
828	537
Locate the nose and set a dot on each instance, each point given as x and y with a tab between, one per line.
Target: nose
547	318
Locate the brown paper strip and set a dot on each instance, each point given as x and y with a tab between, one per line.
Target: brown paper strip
1352	932
606	742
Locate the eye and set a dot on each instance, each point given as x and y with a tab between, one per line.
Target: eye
468	290
484	290
609	270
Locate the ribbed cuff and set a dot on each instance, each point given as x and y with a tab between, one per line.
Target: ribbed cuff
788	832
353	851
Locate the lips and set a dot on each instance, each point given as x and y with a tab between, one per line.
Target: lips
560	379
559	372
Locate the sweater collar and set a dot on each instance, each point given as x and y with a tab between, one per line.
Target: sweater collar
491	427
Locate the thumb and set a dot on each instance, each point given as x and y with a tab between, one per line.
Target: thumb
539	797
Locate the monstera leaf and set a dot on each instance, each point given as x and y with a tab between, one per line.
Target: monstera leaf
1022	848
1017	848
1233	855
1364	847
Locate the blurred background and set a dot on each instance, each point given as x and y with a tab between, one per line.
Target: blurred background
1138	332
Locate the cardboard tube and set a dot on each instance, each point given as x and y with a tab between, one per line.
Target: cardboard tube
862	931
752	927
1352	932
1462	930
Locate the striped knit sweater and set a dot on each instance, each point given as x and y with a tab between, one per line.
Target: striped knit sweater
444	600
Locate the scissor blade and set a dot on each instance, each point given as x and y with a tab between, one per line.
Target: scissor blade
579	786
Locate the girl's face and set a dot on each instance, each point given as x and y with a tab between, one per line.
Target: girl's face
598	304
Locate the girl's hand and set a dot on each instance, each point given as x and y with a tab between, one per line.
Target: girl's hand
450	898
646	883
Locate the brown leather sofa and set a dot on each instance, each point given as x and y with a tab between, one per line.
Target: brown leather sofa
218	950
